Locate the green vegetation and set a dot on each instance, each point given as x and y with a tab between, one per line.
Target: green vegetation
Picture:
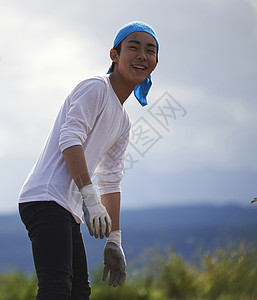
222	275
16	286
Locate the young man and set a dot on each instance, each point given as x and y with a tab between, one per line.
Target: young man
89	136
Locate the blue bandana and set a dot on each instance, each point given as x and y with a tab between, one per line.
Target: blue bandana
142	89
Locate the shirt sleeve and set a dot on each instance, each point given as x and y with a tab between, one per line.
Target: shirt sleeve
86	103
109	171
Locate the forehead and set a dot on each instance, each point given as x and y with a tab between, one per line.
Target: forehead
142	37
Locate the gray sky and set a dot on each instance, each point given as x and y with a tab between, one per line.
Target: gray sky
202	149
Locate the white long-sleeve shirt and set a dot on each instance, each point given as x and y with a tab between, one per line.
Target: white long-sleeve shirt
91	116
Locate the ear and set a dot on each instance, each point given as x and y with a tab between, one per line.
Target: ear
114	55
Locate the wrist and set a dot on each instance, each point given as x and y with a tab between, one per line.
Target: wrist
82	180
87	190
115	237
89	195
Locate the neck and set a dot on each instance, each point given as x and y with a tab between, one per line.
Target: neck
121	87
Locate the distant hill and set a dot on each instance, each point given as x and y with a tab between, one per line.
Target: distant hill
187	229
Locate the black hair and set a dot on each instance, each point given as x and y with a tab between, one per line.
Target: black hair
118	49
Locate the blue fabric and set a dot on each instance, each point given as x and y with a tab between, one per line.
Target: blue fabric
134	27
142	89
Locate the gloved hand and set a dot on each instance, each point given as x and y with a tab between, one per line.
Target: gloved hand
114	259
96	216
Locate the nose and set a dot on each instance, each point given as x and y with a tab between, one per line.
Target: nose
141	54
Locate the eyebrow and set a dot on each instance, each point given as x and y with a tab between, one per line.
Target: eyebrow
138	42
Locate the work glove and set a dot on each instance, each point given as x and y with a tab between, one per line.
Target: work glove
96	216
114	259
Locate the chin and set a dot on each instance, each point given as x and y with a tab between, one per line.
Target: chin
138	79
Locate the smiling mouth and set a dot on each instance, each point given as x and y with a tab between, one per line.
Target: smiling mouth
139	67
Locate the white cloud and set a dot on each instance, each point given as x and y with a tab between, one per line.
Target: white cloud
41	61
253	3
212	45
216	131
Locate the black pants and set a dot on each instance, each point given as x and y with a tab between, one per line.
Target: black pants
58	251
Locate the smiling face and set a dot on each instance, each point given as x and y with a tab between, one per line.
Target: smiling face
137	59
